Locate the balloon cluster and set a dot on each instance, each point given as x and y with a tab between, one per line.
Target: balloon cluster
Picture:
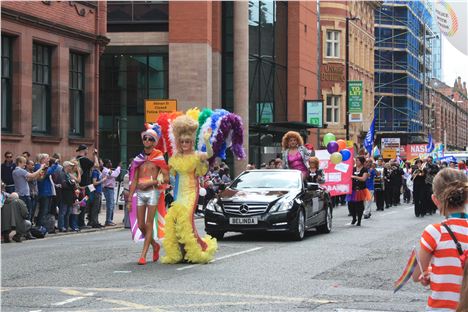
337	148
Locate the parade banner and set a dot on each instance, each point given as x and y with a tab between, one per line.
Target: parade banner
337	177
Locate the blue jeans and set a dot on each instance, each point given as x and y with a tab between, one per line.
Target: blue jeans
110	204
64	216
32	212
44	208
74	222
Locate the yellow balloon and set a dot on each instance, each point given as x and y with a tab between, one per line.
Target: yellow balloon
336	158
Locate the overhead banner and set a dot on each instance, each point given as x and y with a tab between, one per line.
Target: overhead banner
337	177
155	107
314	113
451	17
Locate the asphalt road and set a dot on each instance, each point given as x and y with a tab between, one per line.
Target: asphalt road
350	269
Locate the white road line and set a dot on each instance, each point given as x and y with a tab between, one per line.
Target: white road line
67	301
123	272
389	213
221	258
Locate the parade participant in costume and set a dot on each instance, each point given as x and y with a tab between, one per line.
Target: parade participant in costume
149	190
295	155
443	253
316	174
360	193
182	241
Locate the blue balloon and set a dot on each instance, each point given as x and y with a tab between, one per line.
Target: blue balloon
346	154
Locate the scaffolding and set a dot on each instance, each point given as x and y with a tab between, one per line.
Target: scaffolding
402	65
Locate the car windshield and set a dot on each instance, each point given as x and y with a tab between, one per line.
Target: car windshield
267	180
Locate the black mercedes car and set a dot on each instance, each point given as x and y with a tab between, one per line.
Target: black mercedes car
269	200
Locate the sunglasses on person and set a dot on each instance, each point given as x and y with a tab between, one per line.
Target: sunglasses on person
187	141
8	156
147	138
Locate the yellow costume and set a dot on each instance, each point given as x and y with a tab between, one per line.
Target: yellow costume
180	226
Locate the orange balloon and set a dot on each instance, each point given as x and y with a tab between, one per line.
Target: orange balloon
341	144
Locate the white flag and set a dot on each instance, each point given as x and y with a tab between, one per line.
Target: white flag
451	17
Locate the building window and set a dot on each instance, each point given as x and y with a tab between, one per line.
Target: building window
76	94
132	16
333	109
41	89
6	83
333	43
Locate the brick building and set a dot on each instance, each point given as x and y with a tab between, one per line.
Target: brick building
50	74
359	15
258	59
450	109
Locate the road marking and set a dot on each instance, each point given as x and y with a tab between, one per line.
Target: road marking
123	272
67	301
131	305
389	213
73	292
221	258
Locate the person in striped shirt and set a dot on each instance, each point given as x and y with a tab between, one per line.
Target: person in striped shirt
438	254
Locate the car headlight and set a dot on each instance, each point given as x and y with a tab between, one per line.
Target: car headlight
283	205
213	205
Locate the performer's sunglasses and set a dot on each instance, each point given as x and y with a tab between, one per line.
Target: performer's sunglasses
185	141
147	138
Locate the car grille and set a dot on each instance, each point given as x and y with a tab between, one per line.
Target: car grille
252	208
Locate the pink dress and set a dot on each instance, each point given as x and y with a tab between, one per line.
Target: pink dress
295	162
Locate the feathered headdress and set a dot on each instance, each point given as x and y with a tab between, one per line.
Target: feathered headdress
227	131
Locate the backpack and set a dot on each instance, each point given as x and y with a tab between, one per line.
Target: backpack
38	232
48	221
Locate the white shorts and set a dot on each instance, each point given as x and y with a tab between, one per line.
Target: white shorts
148	198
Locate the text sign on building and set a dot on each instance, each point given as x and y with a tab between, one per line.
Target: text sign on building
155	107
355	97
314	113
332	72
390	147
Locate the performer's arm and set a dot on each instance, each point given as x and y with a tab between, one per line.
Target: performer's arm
133	186
209	148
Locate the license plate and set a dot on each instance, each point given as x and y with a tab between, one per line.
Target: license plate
242	221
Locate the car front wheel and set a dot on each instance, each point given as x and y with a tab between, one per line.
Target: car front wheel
298	231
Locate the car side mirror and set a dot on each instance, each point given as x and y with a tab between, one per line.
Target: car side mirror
312	186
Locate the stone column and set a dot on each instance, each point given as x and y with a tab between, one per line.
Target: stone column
241	73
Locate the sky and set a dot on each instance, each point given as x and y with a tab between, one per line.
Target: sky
454	63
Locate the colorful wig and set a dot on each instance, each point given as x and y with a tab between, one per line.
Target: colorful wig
291	135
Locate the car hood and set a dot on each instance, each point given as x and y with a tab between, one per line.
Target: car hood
263	196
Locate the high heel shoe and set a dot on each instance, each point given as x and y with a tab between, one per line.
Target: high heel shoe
156	253
142	261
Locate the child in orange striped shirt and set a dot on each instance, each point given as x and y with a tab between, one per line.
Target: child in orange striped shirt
439	255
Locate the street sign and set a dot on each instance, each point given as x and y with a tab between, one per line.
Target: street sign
155	107
314	112
355	97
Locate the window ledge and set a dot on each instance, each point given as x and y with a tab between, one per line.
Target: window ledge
45	139
80	140
12	137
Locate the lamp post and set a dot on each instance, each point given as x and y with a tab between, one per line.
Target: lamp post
347	72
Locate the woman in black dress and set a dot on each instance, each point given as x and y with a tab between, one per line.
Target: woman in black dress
360	192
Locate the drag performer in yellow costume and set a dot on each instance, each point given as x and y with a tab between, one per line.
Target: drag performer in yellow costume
182	242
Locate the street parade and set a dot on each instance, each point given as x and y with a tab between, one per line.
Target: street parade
234	156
